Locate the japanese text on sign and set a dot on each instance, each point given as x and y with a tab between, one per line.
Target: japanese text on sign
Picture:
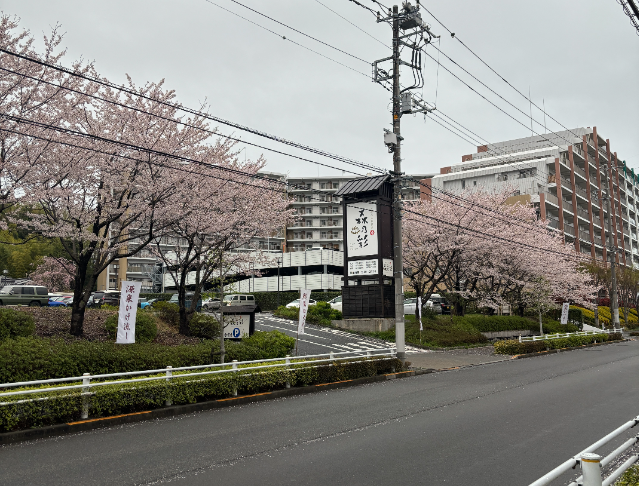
305	296
128	312
361	225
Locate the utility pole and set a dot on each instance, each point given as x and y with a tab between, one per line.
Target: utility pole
612	251
411	32
398	261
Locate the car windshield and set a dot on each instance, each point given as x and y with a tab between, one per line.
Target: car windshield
296	301
410	301
228	298
6	289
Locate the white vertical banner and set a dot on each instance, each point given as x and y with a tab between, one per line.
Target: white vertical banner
305	295
564	312
419	311
128	311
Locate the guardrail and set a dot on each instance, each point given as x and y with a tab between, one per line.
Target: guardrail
88	381
564	335
592	464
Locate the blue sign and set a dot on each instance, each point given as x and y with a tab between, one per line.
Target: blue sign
236	332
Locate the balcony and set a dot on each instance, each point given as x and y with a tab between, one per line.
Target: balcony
581	173
551	198
581	192
598	240
569	229
583	213
553	223
567	205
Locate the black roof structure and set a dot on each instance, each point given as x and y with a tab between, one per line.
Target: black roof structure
365	184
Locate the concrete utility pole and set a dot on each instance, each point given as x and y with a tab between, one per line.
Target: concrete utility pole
398	261
612	251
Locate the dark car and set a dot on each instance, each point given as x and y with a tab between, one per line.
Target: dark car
189	297
109	297
438	304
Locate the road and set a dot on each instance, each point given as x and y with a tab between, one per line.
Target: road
320	340
505	423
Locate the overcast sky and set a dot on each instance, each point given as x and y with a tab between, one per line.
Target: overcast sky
580	58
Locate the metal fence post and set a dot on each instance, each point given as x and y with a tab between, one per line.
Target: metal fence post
591	469
169	374
234	366
332	357
288	366
86	381
368	354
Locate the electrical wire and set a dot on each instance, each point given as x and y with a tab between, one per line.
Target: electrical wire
287	39
226	169
299	31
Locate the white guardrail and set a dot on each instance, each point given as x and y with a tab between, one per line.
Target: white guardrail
89	381
592	464
566	335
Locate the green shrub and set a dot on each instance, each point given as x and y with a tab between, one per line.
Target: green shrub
321	313
145	328
109	307
66	406
629	478
168	312
31	358
204	326
515	347
15	323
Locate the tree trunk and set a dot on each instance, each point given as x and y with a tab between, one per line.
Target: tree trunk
80	297
459	307
520	310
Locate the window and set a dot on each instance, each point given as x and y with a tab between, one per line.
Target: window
323	210
474	183
41	290
323	235
309	222
322	185
296	236
322	222
335	247
463	184
28	291
335	185
309	236
242	297
335	210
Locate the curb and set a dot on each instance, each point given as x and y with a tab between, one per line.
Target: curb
172	411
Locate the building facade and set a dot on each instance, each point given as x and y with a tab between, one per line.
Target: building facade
565	175
319	226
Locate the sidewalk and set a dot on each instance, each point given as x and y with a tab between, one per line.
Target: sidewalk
454	358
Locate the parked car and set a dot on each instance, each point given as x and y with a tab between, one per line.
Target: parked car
296	303
240	299
31	295
108	297
189	297
336	303
410	305
90	302
147	303
212	304
438	304
61	301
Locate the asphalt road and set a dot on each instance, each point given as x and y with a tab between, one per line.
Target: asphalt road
505	423
320	340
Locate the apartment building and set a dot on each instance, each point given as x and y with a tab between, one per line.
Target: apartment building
319	227
320	215
564	175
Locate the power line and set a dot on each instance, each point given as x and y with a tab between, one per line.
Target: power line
224	169
496	73
194	112
354	25
299	32
287	39
177	121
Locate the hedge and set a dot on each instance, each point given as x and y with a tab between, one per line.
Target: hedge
515	347
28	359
321	313
15	323
145	327
66	406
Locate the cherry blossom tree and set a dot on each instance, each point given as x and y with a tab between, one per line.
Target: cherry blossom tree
222	210
54	273
490	256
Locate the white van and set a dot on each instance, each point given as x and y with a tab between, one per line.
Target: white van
240	299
